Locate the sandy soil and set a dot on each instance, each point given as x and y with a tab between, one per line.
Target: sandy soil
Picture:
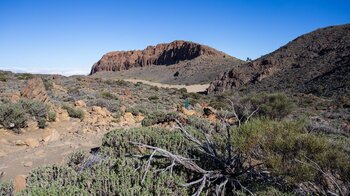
190	88
14	158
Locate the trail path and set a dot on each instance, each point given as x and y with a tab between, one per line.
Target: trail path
190	88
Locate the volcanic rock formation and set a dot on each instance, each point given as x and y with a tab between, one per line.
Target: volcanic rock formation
161	54
317	62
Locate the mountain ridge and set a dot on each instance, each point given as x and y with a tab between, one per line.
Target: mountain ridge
161	54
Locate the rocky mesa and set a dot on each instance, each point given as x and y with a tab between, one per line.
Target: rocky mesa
161	54
317	62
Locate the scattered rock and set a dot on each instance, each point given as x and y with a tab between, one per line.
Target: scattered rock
139	118
19	183
188	112
129	118
35	89
28	164
212	118
19	143
50	135
80	103
31	142
100	111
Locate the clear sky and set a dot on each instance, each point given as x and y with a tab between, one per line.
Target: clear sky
68	36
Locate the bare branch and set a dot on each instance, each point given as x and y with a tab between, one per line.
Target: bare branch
318	168
251	115
147	166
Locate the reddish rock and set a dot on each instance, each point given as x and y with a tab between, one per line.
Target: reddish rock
35	89
161	54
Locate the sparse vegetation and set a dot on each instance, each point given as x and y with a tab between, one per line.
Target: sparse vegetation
276	105
74	112
51	116
3	77
12	116
253	148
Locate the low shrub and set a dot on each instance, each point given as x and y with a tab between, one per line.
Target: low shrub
3	77
275	106
42	123
160	117
110	177
154	88
76	159
51	116
34	108
108	96
283	146
24	76
117	142
111	105
153	98
12	116
74	112
6	188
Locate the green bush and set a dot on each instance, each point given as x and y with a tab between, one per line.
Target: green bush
153	98
24	76
160	117
275	106
76	159
281	144
42	123
111	105
108	96
117	143
110	177
154	88
51	116
6	188
12	116
183	90
74	112
3	77
34	108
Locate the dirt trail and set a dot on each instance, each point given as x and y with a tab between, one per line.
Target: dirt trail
190	88
19	159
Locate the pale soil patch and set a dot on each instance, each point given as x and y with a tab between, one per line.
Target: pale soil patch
190	88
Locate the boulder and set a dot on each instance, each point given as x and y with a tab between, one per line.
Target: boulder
35	89
28	164
80	103
50	135
31	142
188	112
129	118
100	111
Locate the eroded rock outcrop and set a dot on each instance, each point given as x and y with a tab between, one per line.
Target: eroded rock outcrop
35	89
161	54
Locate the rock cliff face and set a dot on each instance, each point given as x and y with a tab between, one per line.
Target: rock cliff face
317	62
161	54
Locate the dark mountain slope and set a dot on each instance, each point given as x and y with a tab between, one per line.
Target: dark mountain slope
317	62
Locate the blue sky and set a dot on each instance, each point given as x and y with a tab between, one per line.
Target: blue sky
68	36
